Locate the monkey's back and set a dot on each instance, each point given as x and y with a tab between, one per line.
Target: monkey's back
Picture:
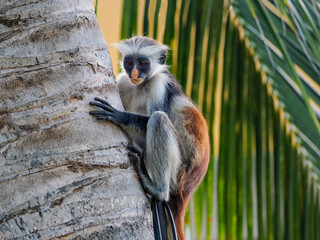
192	130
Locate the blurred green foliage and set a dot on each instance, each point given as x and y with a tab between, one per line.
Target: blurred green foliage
253	68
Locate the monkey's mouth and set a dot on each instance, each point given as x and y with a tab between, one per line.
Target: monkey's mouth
135	76
136	81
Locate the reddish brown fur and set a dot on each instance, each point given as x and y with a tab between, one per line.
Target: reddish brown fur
195	164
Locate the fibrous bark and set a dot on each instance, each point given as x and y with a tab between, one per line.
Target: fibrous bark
62	174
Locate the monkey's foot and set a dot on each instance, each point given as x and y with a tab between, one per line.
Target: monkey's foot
135	148
135	153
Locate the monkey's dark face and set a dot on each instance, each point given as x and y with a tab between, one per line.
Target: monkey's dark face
137	68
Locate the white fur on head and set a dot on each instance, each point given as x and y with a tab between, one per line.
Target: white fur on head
143	46
140	45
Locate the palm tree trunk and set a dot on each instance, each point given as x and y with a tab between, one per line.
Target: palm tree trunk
62	174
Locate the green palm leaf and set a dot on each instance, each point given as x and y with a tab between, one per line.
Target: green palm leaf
291	69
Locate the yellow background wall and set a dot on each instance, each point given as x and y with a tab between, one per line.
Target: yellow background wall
109	18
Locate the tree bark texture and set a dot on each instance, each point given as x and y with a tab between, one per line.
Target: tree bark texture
62	173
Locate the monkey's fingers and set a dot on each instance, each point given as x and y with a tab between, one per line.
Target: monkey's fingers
102	101
95	113
103	115
103	106
104	118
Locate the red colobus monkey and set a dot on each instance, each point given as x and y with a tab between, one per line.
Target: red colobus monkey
171	150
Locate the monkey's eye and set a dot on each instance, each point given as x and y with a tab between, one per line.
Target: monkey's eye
143	63
129	63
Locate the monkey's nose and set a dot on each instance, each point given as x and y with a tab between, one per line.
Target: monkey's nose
135	73
135	76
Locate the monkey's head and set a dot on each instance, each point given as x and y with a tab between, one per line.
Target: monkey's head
142	58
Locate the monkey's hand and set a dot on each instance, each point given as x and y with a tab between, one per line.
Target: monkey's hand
126	120
108	112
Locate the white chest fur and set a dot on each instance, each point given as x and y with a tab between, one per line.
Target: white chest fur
144	98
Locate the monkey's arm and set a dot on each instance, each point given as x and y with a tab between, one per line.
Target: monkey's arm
129	120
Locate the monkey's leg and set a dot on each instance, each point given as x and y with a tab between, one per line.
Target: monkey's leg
160	209
161	157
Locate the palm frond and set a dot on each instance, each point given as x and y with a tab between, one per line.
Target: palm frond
252	66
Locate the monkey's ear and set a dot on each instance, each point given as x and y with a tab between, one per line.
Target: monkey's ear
162	60
163	57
